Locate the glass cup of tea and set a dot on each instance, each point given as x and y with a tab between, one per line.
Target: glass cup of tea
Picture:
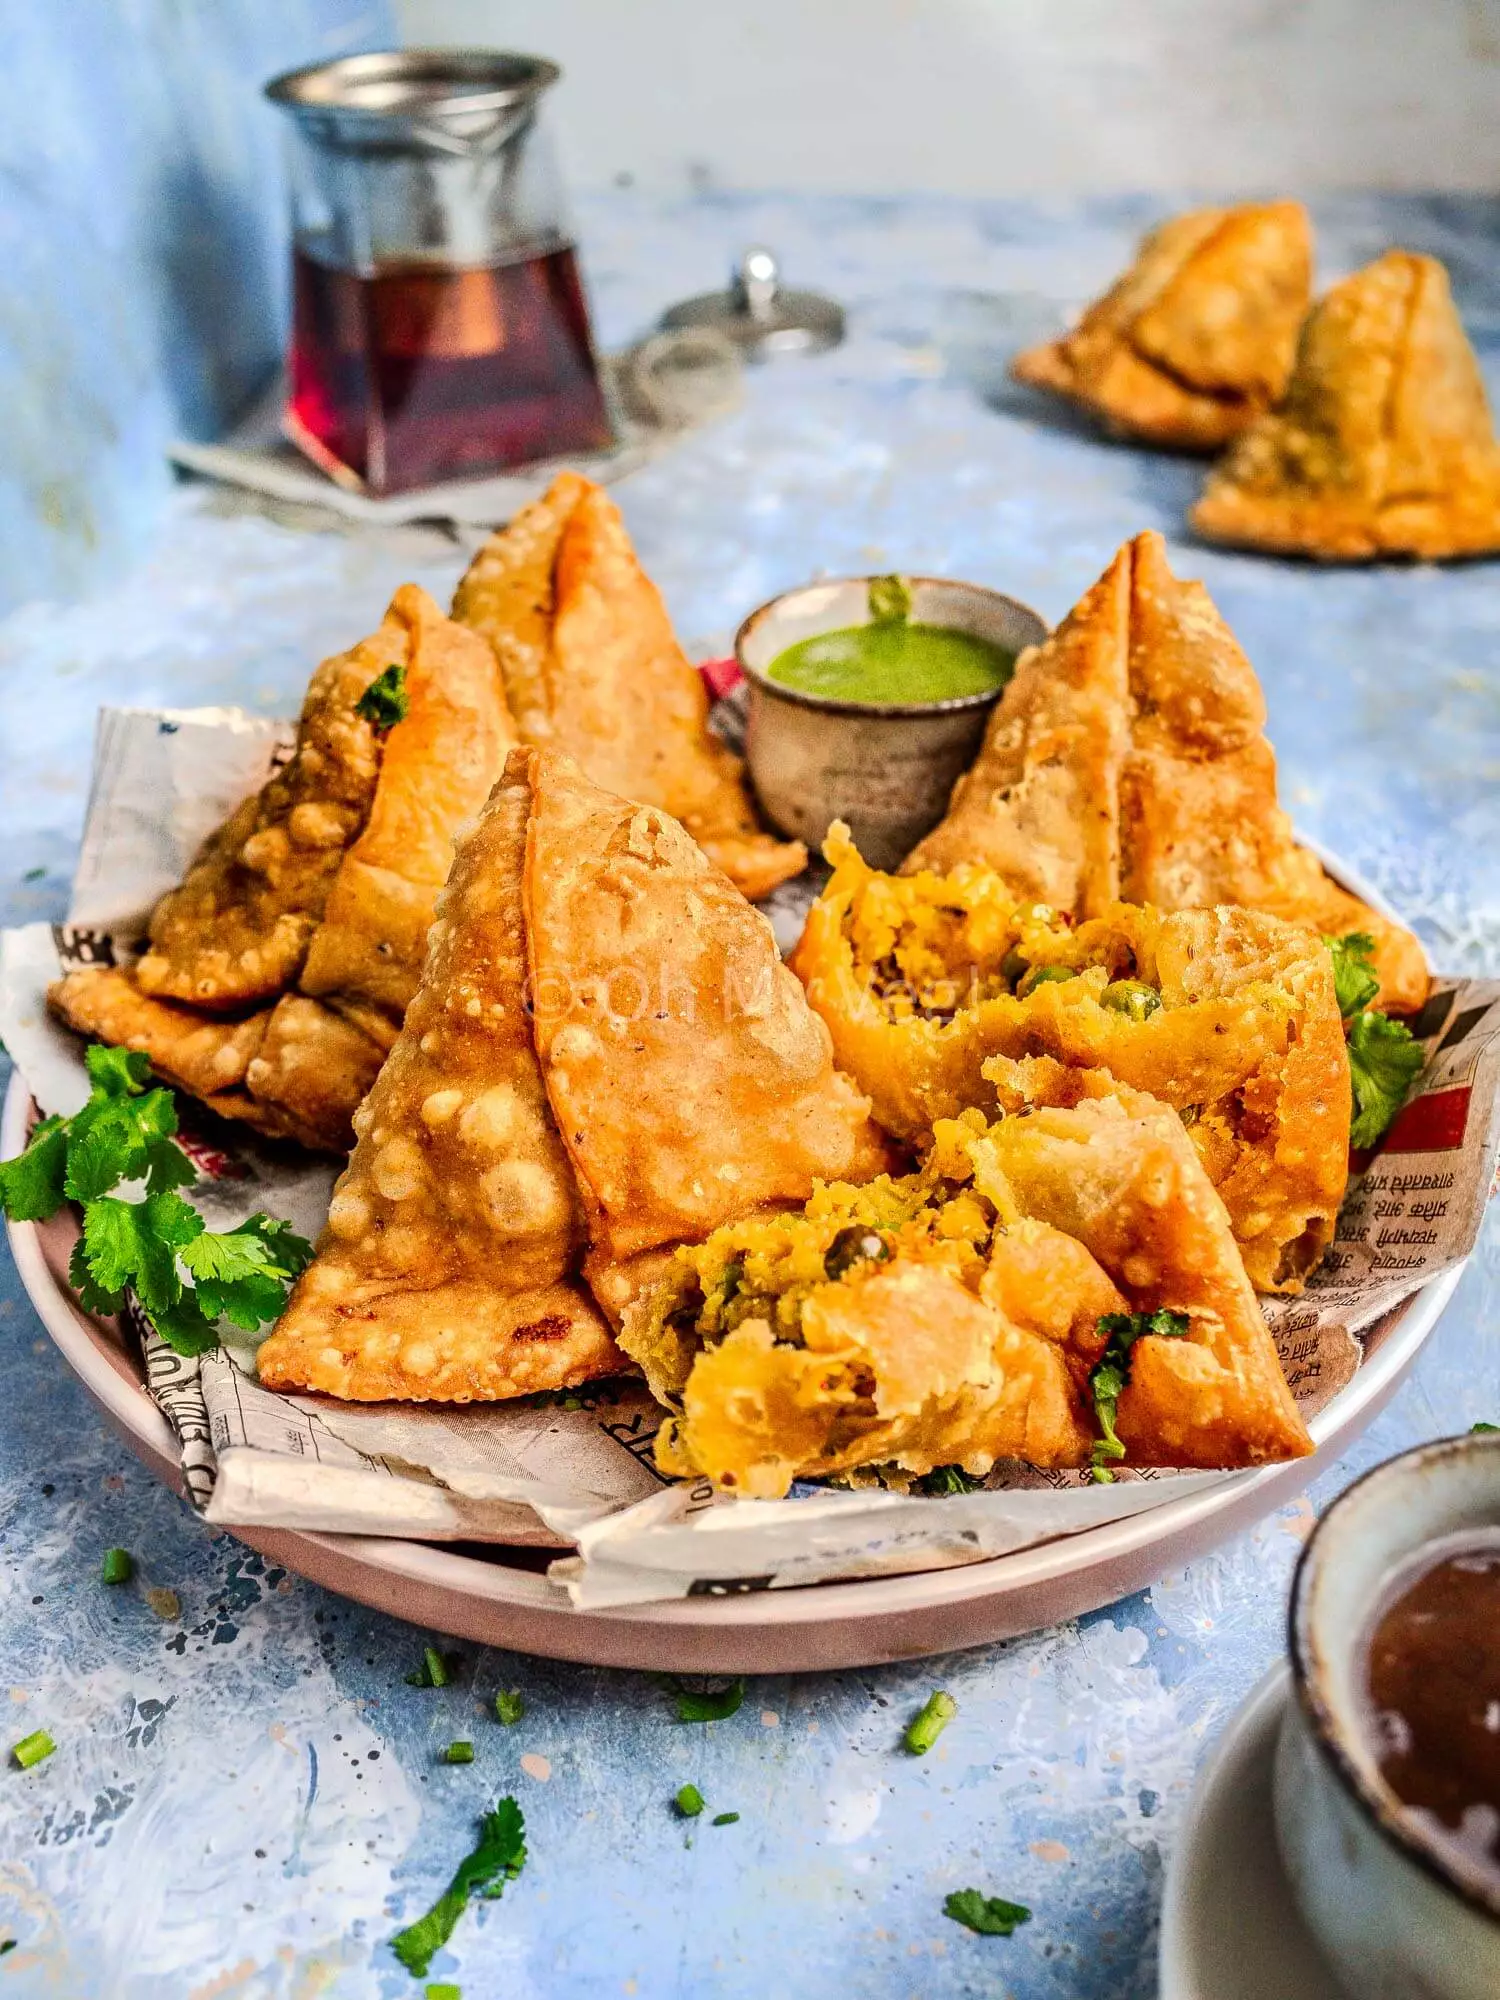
439	325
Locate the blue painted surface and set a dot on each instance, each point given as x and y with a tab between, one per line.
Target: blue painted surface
245	1801
143	243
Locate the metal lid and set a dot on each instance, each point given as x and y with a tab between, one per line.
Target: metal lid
760	316
443	97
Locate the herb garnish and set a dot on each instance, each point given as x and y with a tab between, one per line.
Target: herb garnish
1355	980
1484	1427
948	1479
1112	1371
990	1916
1384	1061
510	1706
434	1670
385	701
443	1990
689	1802
498	1859
33	1748
724	1819
457	1753
928	1724
707	1704
118	1566
185	1276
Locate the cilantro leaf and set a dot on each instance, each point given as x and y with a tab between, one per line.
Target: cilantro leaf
135	1243
116	1137
1481	1427
184	1326
1384	1061
385	701
116	1072
499	1858
990	1916
1112	1370
32	1184
948	1479
242	1274
707	1704
92	1296
1355	980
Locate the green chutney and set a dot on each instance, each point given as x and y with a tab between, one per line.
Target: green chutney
893	661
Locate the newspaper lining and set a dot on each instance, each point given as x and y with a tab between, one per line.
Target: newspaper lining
577	1469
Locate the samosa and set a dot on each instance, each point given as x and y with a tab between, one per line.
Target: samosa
592	667
961	1315
1384	444
605	1056
1127	761
938	991
277	975
1196	339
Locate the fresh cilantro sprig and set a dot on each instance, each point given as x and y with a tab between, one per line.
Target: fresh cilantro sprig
385	701
990	1916
1385	1059
1112	1371
1355	980
945	1479
499	1858
185	1276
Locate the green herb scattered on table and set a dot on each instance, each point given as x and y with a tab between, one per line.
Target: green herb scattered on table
724	1819
6	1944
433	1672
33	1748
1112	1371
1484	1427
928	1724
1385	1060
689	1802
510	1706
118	1566
457	1753
385	701
185	1276
499	1858
443	1990
990	1916
707	1704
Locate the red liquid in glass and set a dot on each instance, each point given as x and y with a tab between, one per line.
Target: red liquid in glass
426	372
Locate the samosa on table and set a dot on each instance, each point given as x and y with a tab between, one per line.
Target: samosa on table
1127	762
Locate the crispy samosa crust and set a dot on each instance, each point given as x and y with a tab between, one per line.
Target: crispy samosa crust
1196	339
593	668
444	1270
955	1317
1384	444
1127	760
362	903
689	1078
1227	1015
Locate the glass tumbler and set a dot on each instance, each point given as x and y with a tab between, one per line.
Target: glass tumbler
439	325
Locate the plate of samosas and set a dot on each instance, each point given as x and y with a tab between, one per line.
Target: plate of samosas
983	1184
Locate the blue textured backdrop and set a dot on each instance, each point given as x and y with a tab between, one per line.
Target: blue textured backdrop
142	254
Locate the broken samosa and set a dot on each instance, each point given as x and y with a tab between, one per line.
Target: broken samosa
936	988
1383	445
1127	761
592	668
280	970
960	1316
1196	339
447	1269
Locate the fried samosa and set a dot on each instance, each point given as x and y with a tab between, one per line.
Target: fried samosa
605	1053
1127	761
1384	444
1196	340
280	970
957	1316
592	668
1228	1015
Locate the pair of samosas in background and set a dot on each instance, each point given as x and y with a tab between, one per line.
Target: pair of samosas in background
278	974
1357	429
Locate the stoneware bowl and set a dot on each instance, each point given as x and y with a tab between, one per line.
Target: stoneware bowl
1399	1916
885	767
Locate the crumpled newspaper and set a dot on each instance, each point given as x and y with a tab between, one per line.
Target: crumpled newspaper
577	1468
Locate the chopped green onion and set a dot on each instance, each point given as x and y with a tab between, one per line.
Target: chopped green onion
33	1748
928	1724
725	1819
457	1753
444	1990
118	1566
689	1802
510	1706
433	1672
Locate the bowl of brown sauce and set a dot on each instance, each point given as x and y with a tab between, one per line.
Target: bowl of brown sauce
1387	1779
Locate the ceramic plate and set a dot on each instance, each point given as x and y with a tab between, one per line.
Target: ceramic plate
1230	1929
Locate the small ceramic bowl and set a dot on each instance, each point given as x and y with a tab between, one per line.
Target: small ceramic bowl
885	767
1398	1913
